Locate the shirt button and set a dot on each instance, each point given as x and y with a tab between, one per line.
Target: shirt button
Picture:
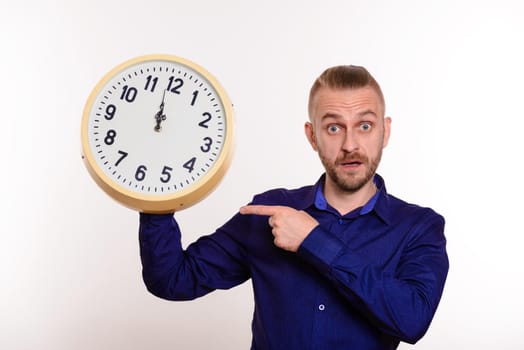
322	307
340	221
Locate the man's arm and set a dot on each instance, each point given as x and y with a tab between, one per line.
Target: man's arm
400	304
169	272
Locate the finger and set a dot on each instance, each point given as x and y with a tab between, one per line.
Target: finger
267	210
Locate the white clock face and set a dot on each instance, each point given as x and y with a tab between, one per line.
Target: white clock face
156	127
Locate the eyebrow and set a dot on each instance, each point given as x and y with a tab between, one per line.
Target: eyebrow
359	115
366	112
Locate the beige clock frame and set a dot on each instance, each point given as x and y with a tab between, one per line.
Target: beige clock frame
162	203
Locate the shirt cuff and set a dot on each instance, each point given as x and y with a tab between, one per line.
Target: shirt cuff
146	218
321	247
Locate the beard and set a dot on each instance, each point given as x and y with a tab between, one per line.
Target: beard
346	180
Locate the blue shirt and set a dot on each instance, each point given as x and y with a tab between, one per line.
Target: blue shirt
365	280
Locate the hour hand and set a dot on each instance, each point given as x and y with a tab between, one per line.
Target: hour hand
160	116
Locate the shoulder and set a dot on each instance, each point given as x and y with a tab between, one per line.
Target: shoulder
395	210
401	209
414	219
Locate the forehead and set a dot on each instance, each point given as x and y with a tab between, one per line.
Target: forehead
343	101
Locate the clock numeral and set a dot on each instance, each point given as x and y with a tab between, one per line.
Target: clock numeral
166	174
204	122
128	93
177	84
122	156
190	164
140	174
110	137
208	141
151	82
110	112
193	100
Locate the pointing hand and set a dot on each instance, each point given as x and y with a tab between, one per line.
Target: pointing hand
290	226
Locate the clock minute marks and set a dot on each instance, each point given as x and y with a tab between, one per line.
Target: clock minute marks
130	93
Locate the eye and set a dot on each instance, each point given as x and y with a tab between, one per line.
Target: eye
365	126
333	128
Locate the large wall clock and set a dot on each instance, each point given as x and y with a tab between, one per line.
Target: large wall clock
157	133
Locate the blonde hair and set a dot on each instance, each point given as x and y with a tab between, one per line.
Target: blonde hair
345	77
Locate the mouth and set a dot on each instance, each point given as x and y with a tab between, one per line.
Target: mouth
350	163
353	164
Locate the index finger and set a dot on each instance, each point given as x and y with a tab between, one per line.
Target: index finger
267	210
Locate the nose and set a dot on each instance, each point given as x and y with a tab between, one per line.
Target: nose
350	142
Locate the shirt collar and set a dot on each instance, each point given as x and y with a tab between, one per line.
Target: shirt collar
378	203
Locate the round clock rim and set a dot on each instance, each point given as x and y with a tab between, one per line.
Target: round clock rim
161	203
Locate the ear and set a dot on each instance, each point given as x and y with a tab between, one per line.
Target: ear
387	131
310	134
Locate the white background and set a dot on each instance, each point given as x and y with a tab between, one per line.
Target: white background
451	71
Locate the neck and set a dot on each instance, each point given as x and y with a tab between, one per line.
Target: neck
345	201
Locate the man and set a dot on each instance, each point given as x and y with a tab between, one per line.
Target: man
341	264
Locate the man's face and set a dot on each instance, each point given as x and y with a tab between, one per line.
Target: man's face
349	131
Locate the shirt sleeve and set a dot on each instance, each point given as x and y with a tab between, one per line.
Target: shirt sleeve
170	272
402	303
